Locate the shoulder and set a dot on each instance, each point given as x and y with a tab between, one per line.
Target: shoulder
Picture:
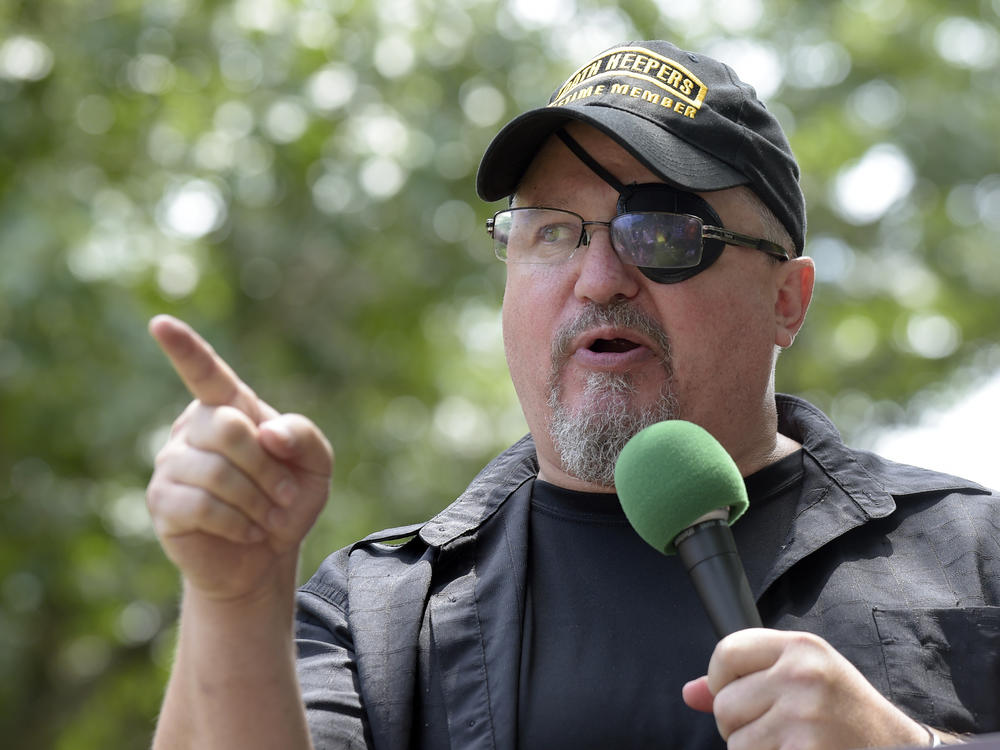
901	479
876	484
398	553
376	555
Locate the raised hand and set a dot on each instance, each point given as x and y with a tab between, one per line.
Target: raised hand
237	485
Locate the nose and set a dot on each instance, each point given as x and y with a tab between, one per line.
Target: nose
602	276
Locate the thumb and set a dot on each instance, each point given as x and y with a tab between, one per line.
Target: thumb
296	440
697	695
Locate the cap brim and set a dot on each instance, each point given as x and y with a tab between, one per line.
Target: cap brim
671	158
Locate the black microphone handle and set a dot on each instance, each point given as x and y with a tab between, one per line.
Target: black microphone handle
710	557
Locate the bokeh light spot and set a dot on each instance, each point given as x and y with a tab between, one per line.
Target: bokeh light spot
454	221
483	104
855	338
394	56
26	59
381	177
177	275
332	87
933	336
967	43
286	120
191	210
756	63
95	114
865	190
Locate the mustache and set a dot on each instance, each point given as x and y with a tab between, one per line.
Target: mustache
618	315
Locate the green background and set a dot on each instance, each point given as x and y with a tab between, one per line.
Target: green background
296	180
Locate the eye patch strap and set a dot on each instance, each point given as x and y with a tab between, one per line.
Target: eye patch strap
587	159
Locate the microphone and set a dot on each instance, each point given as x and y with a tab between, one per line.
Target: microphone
680	490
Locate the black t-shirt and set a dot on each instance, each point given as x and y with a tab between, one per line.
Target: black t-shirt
613	629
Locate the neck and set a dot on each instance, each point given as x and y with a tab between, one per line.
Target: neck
781	447
554	474
759	445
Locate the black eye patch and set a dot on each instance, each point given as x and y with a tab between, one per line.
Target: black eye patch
656	196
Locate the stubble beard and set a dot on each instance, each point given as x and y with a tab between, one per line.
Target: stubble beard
589	437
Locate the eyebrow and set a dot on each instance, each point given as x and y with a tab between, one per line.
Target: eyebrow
564	204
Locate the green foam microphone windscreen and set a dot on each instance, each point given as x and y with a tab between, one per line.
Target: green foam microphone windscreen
671	474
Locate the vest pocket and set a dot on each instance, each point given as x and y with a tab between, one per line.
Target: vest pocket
943	665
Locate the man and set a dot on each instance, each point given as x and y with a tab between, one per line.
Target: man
653	243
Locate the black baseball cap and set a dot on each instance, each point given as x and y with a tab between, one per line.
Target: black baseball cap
686	116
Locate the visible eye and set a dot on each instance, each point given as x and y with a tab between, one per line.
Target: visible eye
538	235
556	233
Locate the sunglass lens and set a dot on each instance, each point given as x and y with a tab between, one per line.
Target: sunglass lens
658	240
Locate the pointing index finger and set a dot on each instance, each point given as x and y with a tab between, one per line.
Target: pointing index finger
205	374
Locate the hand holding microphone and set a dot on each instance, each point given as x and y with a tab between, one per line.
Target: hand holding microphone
768	689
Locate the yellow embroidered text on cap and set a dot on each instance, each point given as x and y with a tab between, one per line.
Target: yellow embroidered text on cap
679	89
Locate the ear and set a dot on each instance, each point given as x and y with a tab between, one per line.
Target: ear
794	286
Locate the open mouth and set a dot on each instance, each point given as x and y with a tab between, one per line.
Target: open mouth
616	346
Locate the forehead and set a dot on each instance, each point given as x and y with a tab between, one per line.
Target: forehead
556	176
555	166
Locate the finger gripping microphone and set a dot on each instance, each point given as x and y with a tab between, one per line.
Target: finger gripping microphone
680	490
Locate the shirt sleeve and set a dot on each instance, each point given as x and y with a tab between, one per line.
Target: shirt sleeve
328	675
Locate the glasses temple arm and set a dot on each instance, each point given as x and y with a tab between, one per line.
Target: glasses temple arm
745	240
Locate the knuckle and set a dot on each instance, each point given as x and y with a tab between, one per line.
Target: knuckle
159	493
153	496
201	507
300	424
161	528
725	650
806	640
230	426
276	481
167	453
723	721
804	660
250	500
218	474
185	417
727	713
802	673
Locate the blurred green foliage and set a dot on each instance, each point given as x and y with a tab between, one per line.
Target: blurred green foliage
296	180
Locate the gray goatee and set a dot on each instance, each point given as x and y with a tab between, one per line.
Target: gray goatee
589	438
